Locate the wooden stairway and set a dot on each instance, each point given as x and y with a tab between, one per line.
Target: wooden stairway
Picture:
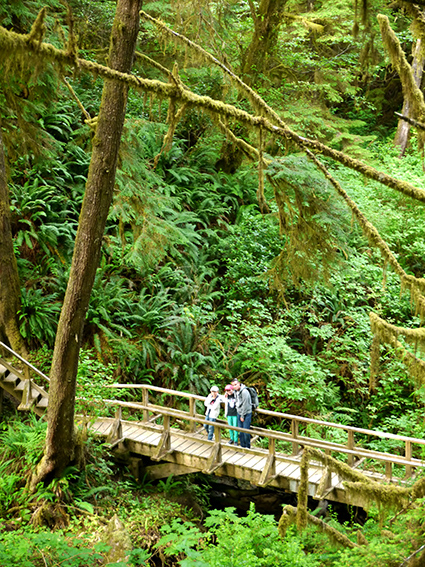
20	386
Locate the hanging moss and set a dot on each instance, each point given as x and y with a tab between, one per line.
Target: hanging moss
289	516
374	363
303	491
373	235
249	151
382	331
418	489
335	536
418	24
153	63
386	496
361	540
77	100
411	91
389	334
342	469
264	208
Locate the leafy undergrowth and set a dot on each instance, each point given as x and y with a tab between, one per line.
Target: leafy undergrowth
86	517
98	514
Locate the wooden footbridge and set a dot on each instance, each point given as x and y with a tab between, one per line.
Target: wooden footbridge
167	438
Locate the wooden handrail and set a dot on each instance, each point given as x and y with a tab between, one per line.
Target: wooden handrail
27	364
291	417
326	446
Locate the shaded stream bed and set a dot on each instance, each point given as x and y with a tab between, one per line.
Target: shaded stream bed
227	492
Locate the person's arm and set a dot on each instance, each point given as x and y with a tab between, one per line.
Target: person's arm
246	404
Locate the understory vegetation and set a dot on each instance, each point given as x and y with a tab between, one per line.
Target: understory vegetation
200	283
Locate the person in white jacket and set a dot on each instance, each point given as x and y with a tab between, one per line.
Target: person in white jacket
212	404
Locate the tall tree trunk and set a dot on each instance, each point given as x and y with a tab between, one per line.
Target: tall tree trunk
10	292
403	129
60	441
267	20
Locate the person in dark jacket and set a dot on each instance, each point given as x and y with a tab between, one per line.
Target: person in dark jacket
244	410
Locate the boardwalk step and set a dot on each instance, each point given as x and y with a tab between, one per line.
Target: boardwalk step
10	379
20	386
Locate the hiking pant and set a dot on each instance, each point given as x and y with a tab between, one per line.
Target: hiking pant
232	420
245	438
210	428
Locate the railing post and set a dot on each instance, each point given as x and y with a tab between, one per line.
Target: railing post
166	423
350	445
215	459
145	400
408	455
269	470
295	431
164	445
217	434
115	434
192	408
388	470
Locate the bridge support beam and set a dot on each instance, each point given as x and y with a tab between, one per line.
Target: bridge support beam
27	399
115	435
164	470
269	471
215	460
325	485
164	445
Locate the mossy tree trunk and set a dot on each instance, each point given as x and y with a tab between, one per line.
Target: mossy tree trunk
10	293
60	441
267	20
403	129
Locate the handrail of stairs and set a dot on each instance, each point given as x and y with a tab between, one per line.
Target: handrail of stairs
27	364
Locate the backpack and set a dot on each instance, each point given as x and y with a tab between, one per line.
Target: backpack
254	397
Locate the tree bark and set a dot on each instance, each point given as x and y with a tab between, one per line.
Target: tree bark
403	129
267	20
10	292
60	441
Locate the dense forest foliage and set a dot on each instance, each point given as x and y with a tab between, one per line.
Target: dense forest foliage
217	261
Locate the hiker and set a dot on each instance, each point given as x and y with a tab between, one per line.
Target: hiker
212	403
231	413
244	410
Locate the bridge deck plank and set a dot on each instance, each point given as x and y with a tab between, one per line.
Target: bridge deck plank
178	443
254	461
204	451
188	446
237	458
128	430
104	428
148	437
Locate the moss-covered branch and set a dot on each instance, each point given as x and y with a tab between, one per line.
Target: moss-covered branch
290	514
24	47
387	331
303	490
415	285
411	91
389	334
412	121
279	128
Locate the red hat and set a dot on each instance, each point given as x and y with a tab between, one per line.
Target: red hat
228	388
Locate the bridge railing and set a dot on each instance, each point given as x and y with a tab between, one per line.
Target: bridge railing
356	455
27	365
